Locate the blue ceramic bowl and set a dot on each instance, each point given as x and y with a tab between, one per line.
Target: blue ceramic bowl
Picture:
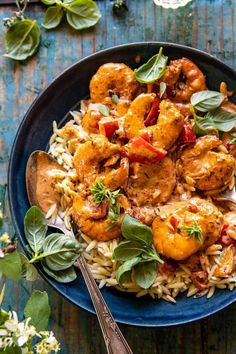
63	95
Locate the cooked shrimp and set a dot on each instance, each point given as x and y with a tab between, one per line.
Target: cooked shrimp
209	170
226	262
193	81
92	117
134	118
168	127
114	78
89	159
170	235
89	155
92	219
151	184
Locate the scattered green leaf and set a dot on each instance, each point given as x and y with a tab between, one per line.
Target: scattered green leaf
82	14
53	17
206	100
145	274
133	229
38	309
10	265
22	39
63	276
127	250
104	110
35	228
124	271
153	70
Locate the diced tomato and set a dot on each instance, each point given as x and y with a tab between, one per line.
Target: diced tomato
108	128
224	239
153	113
193	208
139	150
170	91
200	279
174	221
187	135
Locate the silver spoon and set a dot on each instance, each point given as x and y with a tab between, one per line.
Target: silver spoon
41	193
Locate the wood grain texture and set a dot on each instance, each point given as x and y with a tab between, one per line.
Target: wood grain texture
209	25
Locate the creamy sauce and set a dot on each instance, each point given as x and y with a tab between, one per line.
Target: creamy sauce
46	193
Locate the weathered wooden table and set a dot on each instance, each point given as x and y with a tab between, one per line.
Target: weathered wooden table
206	24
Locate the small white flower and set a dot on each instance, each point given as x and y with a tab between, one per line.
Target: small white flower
3	332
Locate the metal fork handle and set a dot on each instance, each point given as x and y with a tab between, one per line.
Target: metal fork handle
114	339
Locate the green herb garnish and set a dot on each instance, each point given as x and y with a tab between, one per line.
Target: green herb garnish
57	252
136	253
193	231
115	99
206	100
104	110
101	194
153	70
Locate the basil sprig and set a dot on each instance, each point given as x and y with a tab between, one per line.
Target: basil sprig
80	14
153	70
136	253
57	252
22	37
215	119
206	100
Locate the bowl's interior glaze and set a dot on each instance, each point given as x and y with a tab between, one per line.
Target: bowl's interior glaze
54	103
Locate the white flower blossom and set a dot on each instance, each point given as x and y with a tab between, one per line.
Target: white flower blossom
22	333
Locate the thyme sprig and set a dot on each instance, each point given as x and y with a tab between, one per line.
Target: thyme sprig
193	230
101	194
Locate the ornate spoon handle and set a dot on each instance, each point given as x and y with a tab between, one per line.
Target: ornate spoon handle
114	339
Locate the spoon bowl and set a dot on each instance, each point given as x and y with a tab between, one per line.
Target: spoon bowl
41	192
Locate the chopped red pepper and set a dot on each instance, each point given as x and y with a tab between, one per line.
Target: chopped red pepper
108	128
174	221
187	135
146	136
153	113
139	150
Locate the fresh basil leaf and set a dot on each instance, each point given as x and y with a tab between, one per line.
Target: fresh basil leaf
35	228
218	119
153	70
115	99
162	89
145	274
82	14
12	350
62	276
150	254
10	265
207	100
197	128
60	251
103	109
29	272
53	17
132	229
127	250
38	309
22	39
124	271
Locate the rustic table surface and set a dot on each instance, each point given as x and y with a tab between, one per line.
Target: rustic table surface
209	25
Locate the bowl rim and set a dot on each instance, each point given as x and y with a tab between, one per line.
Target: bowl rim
10	193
